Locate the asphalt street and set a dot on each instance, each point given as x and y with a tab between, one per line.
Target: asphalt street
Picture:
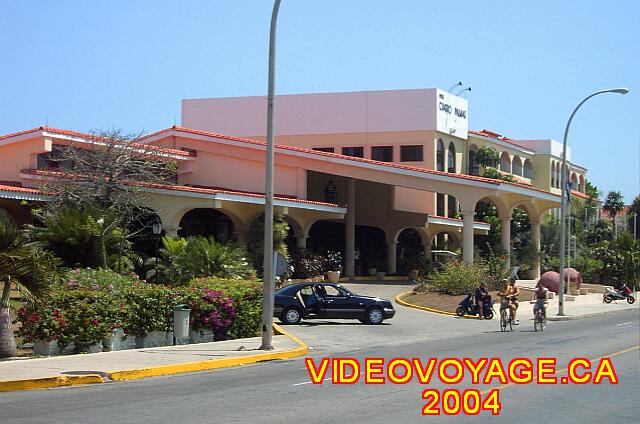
280	391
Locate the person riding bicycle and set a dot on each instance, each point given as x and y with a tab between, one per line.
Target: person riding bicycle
482	295
509	297
541	296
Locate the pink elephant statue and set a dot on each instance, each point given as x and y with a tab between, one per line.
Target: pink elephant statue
551	279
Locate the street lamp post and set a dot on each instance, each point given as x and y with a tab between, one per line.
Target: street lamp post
268	271
563	185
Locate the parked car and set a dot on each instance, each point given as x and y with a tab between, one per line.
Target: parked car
321	300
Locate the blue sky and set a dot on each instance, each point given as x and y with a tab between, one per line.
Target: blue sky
127	64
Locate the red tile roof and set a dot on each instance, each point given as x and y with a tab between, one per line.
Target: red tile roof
190	189
580	194
15	189
94	137
350	158
491	134
319	153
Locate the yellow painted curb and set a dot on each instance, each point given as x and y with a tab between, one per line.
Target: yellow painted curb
49	382
424	308
60	381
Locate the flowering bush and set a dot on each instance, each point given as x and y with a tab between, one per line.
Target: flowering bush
89	304
47	323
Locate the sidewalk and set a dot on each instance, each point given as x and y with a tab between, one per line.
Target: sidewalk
140	363
585	306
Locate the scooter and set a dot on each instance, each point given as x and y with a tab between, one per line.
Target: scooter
468	307
623	294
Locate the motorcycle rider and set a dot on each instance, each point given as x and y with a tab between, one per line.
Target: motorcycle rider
482	295
541	296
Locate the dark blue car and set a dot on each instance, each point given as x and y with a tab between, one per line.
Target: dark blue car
326	300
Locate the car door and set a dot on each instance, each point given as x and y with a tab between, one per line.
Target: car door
312	298
337	303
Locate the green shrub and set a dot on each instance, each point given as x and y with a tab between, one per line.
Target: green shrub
184	259
457	278
247	299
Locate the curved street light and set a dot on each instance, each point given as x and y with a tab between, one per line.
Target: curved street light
268	271
563	185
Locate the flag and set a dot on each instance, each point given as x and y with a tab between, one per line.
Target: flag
568	191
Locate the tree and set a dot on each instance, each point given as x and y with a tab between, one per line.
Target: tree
106	176
27	266
634	221
614	204
488	156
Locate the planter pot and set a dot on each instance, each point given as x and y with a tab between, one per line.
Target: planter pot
380	275
203	336
333	276
46	348
96	348
413	275
371	271
156	339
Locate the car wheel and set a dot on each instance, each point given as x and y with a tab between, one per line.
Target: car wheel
291	316
460	311
374	315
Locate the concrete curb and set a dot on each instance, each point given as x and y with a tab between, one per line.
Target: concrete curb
61	381
424	308
592	315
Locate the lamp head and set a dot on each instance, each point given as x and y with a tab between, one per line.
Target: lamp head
157	228
621	90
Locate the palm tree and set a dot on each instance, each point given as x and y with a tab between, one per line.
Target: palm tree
614	204
30	268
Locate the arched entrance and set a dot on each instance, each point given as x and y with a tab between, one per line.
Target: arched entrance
409	248
207	223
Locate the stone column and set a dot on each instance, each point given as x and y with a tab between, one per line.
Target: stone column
391	257
467	236
350	229
301	244
506	240
535	238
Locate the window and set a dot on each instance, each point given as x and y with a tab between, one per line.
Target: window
324	149
474	169
451	158
440	204
411	154
53	159
440	156
333	291
452	209
382	153
357	152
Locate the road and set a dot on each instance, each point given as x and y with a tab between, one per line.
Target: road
279	391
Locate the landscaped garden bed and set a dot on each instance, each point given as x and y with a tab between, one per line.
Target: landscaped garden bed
99	310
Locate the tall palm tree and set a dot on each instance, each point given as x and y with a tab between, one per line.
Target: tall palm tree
30	268
614	204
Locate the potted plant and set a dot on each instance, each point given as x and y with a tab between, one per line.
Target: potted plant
379	266
42	326
333	266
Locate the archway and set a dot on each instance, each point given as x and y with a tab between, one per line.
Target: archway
141	230
408	250
505	162
516	166
440	156
451	158
528	169
581	184
207	223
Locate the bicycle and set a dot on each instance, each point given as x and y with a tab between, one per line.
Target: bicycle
505	316
540	319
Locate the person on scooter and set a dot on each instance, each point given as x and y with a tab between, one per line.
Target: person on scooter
482	295
541	296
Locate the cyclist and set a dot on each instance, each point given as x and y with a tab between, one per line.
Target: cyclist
541	296
510	298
